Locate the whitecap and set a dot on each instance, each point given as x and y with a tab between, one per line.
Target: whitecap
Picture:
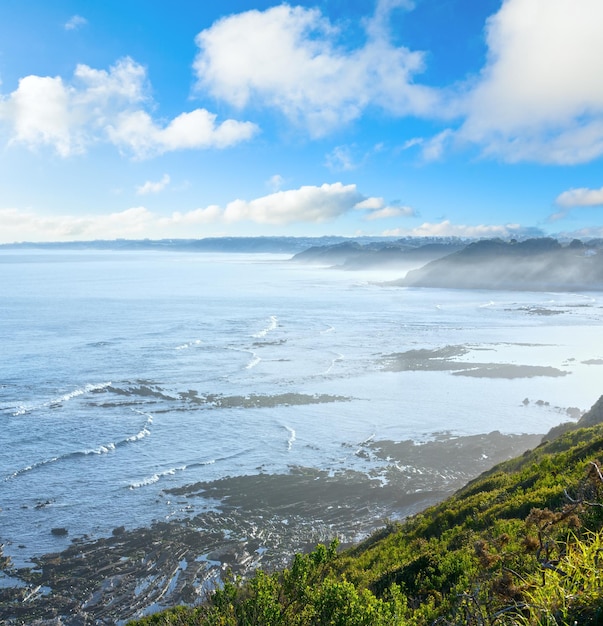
291	439
144	431
103	449
254	361
145	482
32	467
337	359
23	409
271	326
190	344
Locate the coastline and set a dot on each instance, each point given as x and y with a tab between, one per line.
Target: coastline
258	520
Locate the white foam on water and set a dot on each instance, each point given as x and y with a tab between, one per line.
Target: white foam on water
190	344
144	431
335	360
145	482
23	409
291	439
271	326
103	449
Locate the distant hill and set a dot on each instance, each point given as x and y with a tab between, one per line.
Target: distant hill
356	255
533	264
249	245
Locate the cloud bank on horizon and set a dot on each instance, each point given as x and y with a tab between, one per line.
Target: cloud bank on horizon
278	86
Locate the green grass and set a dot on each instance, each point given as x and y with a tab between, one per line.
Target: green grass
522	545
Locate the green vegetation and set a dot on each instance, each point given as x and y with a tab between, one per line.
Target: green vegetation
522	545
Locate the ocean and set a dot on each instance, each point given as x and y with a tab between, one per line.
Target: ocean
127	375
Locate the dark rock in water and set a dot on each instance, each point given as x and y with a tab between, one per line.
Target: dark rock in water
261	519
59	532
120	530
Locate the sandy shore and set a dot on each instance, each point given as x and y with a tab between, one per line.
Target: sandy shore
257	520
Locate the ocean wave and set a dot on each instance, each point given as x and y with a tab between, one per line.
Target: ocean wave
255	359
105	448
151	480
271	326
31	467
190	344
335	360
23	409
144	431
102	449
291	439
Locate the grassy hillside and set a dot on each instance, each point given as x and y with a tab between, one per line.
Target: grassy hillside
522	544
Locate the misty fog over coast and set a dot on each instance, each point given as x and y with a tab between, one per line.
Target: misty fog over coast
260	402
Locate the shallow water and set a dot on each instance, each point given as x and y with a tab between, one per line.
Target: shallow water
127	374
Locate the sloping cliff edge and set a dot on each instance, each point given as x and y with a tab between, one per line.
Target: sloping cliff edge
521	544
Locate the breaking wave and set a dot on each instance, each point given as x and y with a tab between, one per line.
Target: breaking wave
56	402
271	326
102	449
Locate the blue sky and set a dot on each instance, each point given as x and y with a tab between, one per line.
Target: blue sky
142	118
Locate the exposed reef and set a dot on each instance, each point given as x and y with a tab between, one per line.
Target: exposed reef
256	520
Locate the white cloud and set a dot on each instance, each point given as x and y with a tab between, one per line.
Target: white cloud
153	187
275	182
595	232
75	22
138	133
289	58
377	209
433	149
391	211
18	225
540	95
573	198
310	204
580	197
341	159
306	204
105	105
40	115
448	229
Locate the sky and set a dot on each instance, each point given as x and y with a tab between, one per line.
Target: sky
190	118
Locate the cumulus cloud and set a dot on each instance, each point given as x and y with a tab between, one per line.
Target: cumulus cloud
378	209
580	197
153	187
574	198
291	59
137	132
107	106
309	204
479	231
306	204
18	225
75	22
540	95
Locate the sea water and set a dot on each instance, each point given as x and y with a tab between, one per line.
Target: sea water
123	374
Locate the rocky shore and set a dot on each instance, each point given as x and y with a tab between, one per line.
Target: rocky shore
258	520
